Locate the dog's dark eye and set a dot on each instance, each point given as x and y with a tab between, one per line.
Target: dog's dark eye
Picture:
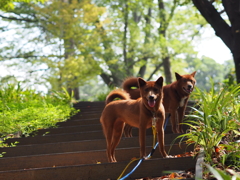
155	89
192	81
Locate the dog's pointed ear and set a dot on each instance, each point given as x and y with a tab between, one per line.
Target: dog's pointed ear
193	74
141	82
178	76
159	81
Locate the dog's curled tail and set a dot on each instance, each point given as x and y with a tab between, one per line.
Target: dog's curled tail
117	94
130	85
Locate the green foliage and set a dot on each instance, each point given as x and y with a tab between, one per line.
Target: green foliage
74	24
9	4
230	78
216	118
24	111
208	69
231	156
221	175
76	40
93	90
60	40
103	95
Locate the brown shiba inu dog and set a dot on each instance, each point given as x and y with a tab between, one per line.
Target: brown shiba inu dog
137	113
175	98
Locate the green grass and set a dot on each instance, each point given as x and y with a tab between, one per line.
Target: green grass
23	111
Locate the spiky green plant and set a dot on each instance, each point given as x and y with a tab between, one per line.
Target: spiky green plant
221	175
217	117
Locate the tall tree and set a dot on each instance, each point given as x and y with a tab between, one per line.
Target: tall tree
67	30
146	34
164	23
228	30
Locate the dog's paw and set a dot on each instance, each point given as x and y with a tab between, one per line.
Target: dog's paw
169	156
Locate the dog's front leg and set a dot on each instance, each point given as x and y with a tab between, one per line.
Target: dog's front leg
173	119
142	138
181	112
160	135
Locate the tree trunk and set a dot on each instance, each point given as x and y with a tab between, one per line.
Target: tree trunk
237	67
162	33
125	12
155	71
230	35
112	79
69	51
233	11
143	68
129	61
167	69
75	92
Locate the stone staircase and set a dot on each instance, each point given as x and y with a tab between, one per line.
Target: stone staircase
76	150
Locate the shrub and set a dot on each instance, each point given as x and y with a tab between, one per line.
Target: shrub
24	111
214	126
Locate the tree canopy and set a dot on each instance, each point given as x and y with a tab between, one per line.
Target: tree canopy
69	42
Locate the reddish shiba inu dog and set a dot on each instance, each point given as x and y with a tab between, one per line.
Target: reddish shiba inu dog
137	113
175	98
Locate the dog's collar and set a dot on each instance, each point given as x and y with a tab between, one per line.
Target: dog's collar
154	119
154	114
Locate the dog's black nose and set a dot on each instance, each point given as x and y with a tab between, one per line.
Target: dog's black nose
151	97
189	86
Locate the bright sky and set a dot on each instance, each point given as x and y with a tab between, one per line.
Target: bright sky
213	47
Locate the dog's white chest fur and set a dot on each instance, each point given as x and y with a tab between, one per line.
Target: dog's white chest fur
181	104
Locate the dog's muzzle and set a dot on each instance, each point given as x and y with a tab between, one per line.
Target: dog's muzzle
189	89
151	101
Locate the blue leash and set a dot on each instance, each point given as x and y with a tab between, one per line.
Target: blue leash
149	155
